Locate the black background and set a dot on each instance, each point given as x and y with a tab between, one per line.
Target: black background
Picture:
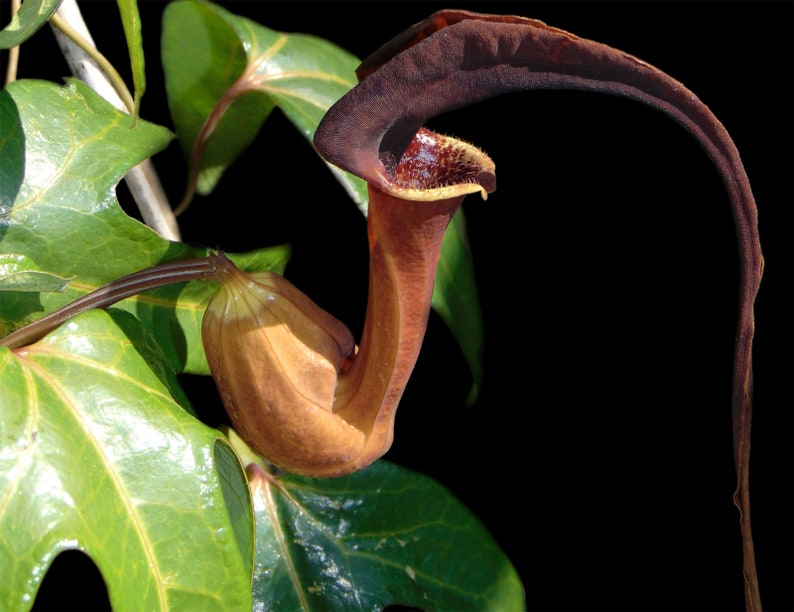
599	451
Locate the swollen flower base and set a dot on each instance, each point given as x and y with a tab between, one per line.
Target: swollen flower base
275	356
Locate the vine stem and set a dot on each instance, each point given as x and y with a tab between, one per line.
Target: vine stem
115	291
13	52
90	66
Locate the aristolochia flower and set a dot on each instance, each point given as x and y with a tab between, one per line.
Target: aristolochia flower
294	385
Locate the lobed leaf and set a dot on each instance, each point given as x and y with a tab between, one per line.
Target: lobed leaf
67	148
118	469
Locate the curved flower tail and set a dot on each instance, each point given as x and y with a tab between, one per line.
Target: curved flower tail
455	58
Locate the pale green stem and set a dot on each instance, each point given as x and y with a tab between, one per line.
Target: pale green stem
115	78
13	52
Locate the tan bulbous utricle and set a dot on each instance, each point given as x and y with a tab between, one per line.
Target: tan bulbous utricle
275	356
295	386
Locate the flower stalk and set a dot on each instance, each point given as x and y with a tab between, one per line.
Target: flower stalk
115	291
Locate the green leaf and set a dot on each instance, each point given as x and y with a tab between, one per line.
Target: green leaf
66	149
32	14
208	52
19	273
381	536
131	21
456	299
115	468
202	57
237	497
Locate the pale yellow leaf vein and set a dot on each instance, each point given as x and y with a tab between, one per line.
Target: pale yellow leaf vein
90	364
60	171
292	95
137	521
381	560
41	190
270	502
313	75
23	462
321	527
260	57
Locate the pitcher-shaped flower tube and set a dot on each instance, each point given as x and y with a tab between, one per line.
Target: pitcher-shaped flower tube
295	387
405	226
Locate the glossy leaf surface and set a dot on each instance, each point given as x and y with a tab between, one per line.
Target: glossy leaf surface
18	273
381	536
116	468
